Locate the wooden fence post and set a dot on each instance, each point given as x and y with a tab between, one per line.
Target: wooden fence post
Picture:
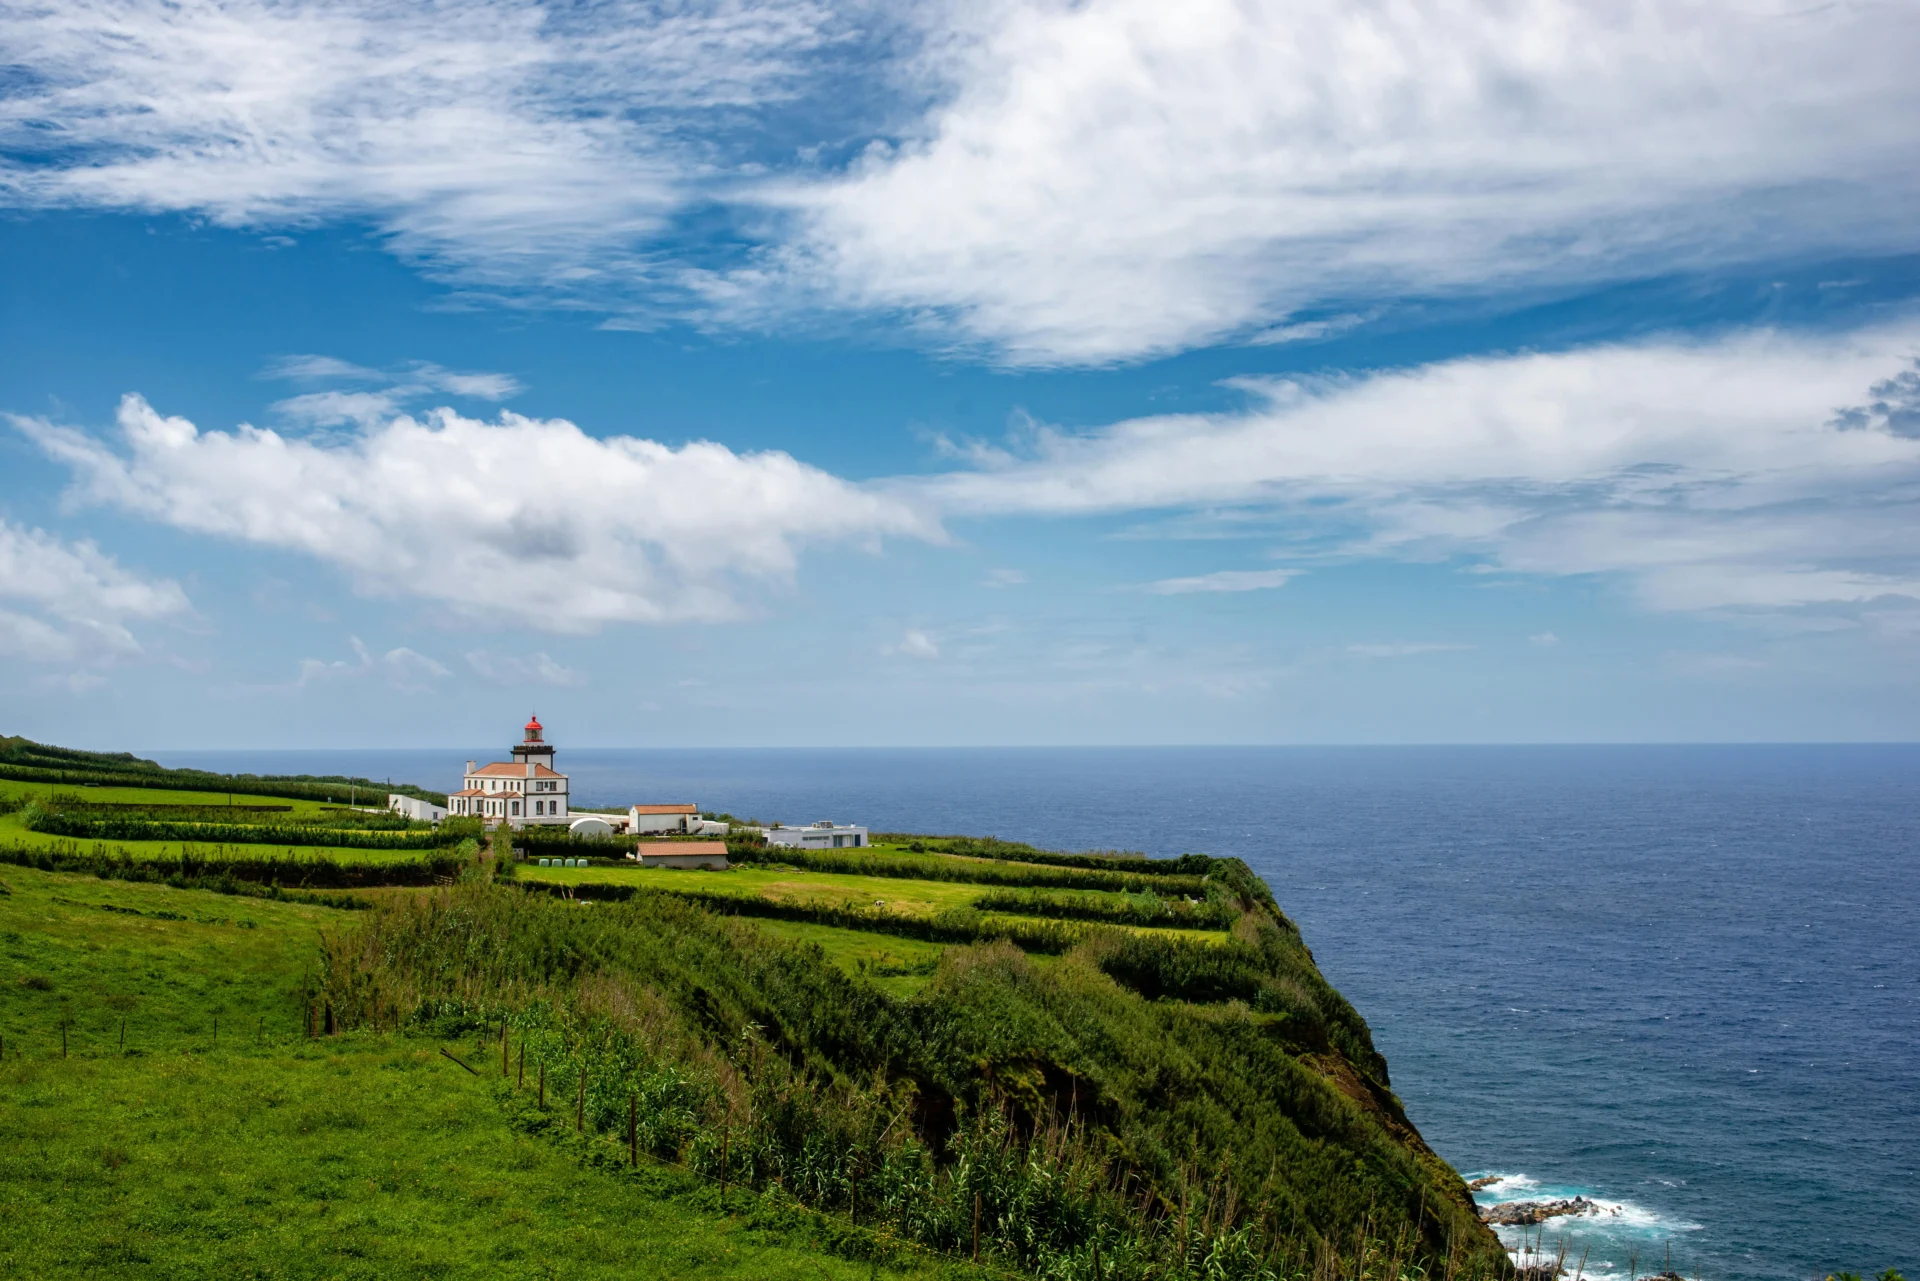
123	1034
521	1079
976	1227
63	1036
580	1105
503	1047
543	1087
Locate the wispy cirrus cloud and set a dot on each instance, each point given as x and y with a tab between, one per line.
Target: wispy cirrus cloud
1402	649
1225	580
506	143
1050	183
359	404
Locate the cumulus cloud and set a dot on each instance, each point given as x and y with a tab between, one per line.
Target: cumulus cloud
538	668
1225	580
1708	475
913	644
71	603
1123	177
516	521
406	670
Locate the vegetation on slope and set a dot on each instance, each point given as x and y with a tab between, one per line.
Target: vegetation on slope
1177	1139
23	760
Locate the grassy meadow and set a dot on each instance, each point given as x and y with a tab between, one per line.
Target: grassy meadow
907	1058
217	1139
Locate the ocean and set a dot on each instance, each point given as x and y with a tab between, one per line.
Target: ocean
1681	981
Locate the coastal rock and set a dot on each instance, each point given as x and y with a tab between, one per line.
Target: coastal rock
1484	1181
1518	1214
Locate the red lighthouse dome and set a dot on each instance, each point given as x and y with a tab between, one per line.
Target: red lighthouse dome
534	750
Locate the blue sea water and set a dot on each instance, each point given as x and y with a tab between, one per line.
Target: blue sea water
1682	981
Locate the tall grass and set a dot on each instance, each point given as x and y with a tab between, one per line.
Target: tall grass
1178	1140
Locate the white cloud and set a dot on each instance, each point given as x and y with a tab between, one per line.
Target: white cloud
310	368
1110	179
520	521
512	142
1708	475
1004	578
362	407
338	408
1547	639
913	644
1403	649
71	603
538	668
1060	182
1225	580
405	669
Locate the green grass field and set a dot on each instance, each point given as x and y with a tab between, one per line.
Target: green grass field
13	832
1040	1060
375	1159
893	895
266	1154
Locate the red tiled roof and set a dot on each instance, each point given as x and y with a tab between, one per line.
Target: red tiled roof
683	847
513	769
471	791
665	809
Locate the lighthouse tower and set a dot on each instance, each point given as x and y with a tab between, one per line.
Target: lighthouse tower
525	790
534	750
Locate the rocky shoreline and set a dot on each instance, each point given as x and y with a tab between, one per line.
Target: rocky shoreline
1518	1214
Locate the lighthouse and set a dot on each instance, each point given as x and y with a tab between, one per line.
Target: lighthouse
525	790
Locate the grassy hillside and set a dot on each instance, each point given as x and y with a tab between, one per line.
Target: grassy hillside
1068	1065
250	1150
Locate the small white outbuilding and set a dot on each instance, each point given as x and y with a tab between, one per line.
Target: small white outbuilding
416	809
824	835
590	825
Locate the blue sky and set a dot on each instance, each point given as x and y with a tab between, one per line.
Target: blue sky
712	372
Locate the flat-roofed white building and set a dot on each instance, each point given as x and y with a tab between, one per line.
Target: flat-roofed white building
824	835
416	809
525	790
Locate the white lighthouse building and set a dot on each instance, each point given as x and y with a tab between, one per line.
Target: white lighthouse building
525	790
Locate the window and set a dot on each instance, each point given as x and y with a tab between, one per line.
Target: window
516	809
